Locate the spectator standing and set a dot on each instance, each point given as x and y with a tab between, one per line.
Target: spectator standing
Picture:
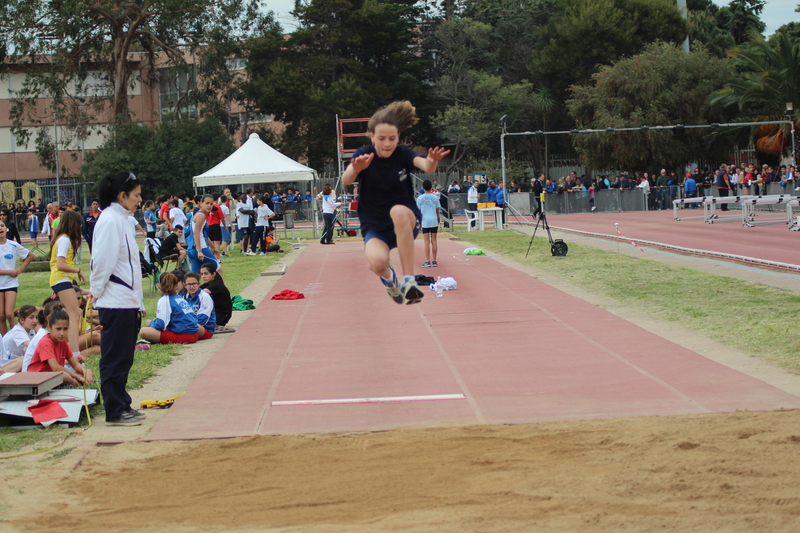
429	206
164	210
197	235
690	188
501	199
7	217
472	199
66	241
9	276
644	186
214	220
661	190
244	212
329	205
116	286
89	221
150	219
748	180
224	224
537	190
723	184
491	193
263	216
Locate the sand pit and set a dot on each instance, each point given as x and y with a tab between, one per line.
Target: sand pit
733	472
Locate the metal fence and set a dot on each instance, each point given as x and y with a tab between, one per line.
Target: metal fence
607	200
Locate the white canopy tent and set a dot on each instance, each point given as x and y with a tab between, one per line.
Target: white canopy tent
254	162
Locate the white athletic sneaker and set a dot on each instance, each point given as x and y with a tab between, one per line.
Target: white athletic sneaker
250	252
393	288
410	290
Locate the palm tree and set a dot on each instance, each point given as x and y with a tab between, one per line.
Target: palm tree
769	78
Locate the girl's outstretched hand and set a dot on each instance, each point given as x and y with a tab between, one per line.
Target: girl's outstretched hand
361	162
435	154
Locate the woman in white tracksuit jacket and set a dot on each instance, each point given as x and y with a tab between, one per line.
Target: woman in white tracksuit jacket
116	284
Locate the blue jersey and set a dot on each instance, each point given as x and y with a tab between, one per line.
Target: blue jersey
428	203
174	314
203	307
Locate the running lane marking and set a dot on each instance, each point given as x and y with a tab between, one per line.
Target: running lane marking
387	399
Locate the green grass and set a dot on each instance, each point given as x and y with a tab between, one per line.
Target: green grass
238	271
747	316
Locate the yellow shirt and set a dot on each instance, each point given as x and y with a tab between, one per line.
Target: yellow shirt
56	275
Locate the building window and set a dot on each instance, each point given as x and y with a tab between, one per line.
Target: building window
255	118
95	84
176	90
237	63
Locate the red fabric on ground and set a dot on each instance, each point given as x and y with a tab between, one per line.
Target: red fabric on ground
46	410
287	294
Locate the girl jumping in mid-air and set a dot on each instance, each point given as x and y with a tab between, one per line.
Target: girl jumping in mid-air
387	210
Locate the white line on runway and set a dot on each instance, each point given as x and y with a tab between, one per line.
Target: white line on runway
389	399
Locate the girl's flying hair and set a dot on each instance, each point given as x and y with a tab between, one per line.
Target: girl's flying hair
400	114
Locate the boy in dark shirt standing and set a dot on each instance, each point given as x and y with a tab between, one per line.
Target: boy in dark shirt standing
387	210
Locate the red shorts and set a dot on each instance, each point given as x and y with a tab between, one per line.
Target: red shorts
168	337
207	335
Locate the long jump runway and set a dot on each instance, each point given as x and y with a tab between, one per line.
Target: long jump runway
503	348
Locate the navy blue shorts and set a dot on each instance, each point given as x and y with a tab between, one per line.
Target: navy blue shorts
62	286
389	237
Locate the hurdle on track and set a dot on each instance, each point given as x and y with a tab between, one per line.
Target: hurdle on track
793	222
687	202
710	208
749	205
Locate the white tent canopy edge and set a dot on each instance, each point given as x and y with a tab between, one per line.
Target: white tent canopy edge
254	162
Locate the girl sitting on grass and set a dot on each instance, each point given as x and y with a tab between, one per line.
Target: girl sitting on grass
202	304
53	352
16	341
41	330
175	321
215	286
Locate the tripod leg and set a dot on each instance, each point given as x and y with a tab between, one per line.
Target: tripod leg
536	227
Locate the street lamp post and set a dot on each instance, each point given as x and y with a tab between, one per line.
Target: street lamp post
790	120
55	139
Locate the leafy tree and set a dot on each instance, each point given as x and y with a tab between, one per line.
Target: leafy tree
661	86
163	157
348	57
769	77
514	31
586	34
67	45
791	29
473	97
742	18
703	29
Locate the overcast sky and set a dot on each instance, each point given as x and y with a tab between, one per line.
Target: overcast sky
775	14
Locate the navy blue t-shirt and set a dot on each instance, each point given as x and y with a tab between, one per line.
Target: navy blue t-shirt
385	183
